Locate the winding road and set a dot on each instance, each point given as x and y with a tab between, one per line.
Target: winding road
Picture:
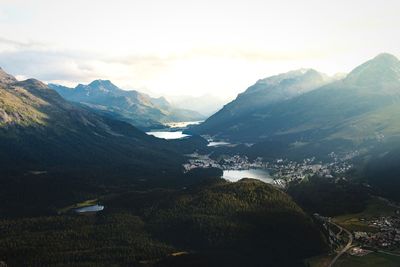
347	247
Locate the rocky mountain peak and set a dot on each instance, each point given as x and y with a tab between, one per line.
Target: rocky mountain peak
382	70
6	78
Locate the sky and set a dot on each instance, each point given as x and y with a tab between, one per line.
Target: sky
185	47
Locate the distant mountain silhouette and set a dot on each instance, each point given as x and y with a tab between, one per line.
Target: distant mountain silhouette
132	106
264	93
304	111
382	71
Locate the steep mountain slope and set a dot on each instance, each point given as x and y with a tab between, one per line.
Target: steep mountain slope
40	130
358	111
264	93
54	153
383	71
132	106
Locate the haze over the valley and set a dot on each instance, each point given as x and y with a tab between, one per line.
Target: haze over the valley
190	48
200	133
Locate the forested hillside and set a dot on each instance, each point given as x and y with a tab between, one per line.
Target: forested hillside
215	223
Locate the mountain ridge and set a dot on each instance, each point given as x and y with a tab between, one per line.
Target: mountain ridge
382	70
342	115
132	106
37	124
264	92
5	77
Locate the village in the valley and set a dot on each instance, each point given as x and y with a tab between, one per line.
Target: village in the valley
280	169
385	236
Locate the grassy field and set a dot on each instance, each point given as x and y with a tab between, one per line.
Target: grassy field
375	208
370	260
352	222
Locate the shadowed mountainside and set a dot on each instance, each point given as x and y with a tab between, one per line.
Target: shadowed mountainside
358	111
52	150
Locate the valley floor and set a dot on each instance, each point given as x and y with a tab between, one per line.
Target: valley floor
376	238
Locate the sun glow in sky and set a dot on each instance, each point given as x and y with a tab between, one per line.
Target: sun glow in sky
190	47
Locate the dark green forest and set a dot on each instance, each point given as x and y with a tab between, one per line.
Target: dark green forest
329	197
214	220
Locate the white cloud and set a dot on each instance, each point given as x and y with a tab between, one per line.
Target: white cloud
190	47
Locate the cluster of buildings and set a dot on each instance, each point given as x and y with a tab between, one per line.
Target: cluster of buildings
281	169
226	163
387	236
357	251
297	171
199	161
241	163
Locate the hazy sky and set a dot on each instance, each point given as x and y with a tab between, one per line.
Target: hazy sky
191	47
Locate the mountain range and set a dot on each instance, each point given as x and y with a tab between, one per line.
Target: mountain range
57	155
305	112
134	107
54	153
39	130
